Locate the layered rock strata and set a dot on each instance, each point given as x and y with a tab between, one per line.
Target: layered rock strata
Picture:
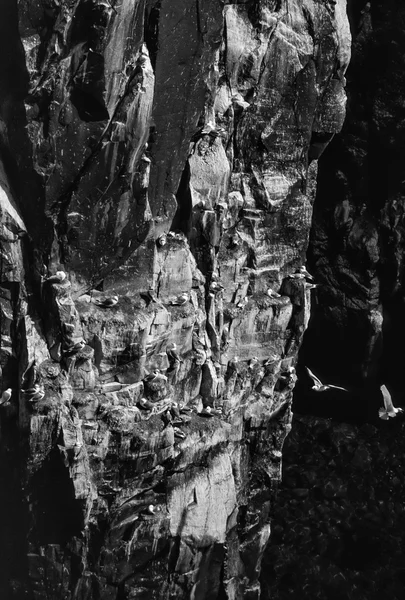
158	172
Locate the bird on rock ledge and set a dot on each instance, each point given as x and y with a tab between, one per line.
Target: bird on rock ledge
5	397
59	277
106	302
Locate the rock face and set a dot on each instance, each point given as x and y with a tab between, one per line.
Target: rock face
158	170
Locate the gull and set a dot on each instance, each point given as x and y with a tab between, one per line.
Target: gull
144	404
105	302
162	240
389	409
5	397
306	274
321	387
59	277
272	294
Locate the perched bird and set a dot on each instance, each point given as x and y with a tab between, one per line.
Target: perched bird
242	303
271	360
272	294
178	433
144	404
321	387
253	362
311	286
6	395
206	412
184	410
175	411
74	348
172	353
106	302
180	300
34	395
162	240
297	275
30	376
59	277
306	274
216	287
154	376
150	510
167	418
389	409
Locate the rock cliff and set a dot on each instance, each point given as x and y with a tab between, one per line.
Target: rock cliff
158	171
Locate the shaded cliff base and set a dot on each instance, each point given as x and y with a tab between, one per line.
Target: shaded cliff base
338	527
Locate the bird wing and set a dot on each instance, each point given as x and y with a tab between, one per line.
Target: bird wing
389	407
314	377
337	387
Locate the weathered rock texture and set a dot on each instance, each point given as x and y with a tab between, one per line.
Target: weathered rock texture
164	152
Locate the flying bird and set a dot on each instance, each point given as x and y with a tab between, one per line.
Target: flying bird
321	387
389	409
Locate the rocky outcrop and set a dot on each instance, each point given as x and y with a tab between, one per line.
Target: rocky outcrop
160	164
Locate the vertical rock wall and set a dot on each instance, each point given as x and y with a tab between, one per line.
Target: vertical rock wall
163	156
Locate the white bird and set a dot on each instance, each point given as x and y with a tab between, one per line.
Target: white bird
321	387
105	302
59	277
180	300
311	286
6	395
253	362
306	274
150	510
179	433
162	240
389	409
272	294
155	375
144	404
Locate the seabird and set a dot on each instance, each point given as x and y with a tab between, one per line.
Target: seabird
306	274
321	387
172	353
167	418
181	300
175	411
272	294
30	376
162	240
389	409
6	395
74	348
144	404
216	287
150	510
311	286
105	302
155	375
179	433
242	303
253	362
34	395
59	277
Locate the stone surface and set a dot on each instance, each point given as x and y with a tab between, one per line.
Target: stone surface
163	156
